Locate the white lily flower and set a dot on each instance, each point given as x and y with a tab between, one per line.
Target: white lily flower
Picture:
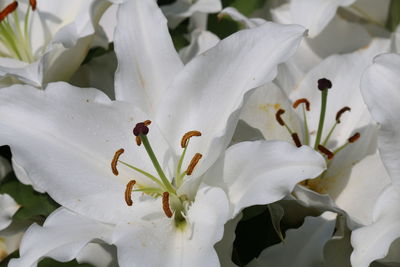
178	210
353	180
381	91
302	247
47	40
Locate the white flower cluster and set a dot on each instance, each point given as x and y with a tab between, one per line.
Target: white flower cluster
295	112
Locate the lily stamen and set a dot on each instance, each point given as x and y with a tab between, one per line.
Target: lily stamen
307	107
340	112
329	154
8	10
302	101
128	192
33	4
114	161
165	204
337	121
187	136
296	140
193	163
350	140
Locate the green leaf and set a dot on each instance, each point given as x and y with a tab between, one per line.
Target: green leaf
393	19
222	27
247	7
96	52
35	206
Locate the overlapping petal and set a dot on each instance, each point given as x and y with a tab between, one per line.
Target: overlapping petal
62	237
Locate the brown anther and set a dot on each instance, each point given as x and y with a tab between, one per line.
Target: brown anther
128	192
165	204
302	101
9	9
326	151
193	163
115	161
340	112
187	136
354	138
33	4
296	139
138	140
278	117
147	122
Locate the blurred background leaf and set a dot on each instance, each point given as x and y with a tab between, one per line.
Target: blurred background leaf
393	19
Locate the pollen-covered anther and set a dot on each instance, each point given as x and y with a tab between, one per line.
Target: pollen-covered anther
128	192
279	118
138	140
193	163
296	139
141	128
302	101
115	161
165	203
33	4
329	154
187	136
340	113
8	10
354	137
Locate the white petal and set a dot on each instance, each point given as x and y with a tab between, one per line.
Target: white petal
200	42
239	17
146	55
302	247
7	209
260	172
99	255
66	146
381	90
5	168
260	109
62	237
181	9
315	14
357	192
373	241
155	241
208	93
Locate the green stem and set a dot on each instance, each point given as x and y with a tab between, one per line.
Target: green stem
153	178
340	148
329	134
179	177
156	164
324	97
306	133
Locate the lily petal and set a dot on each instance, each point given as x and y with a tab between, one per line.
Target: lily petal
62	237
146	55
381	91
373	241
139	241
7	209
261	172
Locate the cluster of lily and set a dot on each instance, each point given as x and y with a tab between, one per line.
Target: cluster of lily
151	152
